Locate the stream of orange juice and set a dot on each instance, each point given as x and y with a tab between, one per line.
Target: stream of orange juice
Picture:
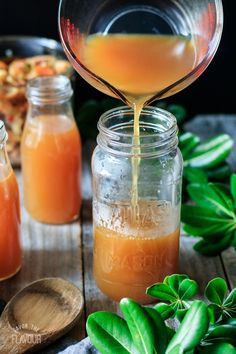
139	66
10	249
51	160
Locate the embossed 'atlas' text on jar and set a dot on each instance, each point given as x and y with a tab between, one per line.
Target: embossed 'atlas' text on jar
136	247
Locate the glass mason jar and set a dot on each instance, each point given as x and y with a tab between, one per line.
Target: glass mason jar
10	248
51	152
136	245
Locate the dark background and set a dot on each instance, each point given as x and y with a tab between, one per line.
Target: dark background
213	92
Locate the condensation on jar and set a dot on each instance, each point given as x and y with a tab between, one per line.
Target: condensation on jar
136	246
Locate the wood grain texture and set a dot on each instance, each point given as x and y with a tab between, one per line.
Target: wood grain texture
229	260
198	267
43	311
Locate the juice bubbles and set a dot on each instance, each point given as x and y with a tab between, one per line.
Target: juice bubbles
51	160
51	152
10	249
125	264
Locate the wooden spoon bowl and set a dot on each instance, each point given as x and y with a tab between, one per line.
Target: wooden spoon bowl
40	313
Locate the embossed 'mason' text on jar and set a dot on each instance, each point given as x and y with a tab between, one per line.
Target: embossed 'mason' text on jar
134	248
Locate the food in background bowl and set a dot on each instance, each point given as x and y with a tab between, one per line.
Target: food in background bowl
18	65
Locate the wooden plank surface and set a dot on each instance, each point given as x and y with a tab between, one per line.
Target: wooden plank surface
229	261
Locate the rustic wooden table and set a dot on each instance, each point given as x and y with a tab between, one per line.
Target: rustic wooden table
66	251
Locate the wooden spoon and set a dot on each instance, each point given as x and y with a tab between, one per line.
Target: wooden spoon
40	313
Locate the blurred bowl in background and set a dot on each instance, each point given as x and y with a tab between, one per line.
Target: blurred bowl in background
22	58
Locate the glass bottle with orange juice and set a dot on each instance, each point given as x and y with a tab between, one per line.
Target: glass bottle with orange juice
10	248
136	244
51	152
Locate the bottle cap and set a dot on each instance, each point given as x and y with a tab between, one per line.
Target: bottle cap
3	133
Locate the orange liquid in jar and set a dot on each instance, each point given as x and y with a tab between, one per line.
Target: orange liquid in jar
10	249
126	263
51	161
138	65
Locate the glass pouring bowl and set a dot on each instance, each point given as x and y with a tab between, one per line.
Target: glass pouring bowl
189	30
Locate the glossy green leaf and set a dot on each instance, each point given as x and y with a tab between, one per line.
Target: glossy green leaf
222	333
187	142
109	333
181	313
210	154
209	196
187	289
174	281
176	350
192	329
216	291
215	312
213	232
213	143
159	329
221	348
195	175
233	187
162	292
219	173
213	248
140	326
198	216
165	310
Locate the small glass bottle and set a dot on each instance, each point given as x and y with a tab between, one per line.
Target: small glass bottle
136	246
10	248
51	152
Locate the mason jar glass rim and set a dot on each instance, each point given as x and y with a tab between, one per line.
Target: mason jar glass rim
158	131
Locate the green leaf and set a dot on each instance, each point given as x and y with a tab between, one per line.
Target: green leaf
160	330
211	154
219	173
209	196
216	291
161	291
212	143
195	175
187	289
222	333
213	248
140	326
174	281
198	216
109	333
215	312
176	350
166	311
221	348
233	187
192	329
213	232
187	142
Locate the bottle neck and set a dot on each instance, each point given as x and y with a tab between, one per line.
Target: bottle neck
158	132
5	166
